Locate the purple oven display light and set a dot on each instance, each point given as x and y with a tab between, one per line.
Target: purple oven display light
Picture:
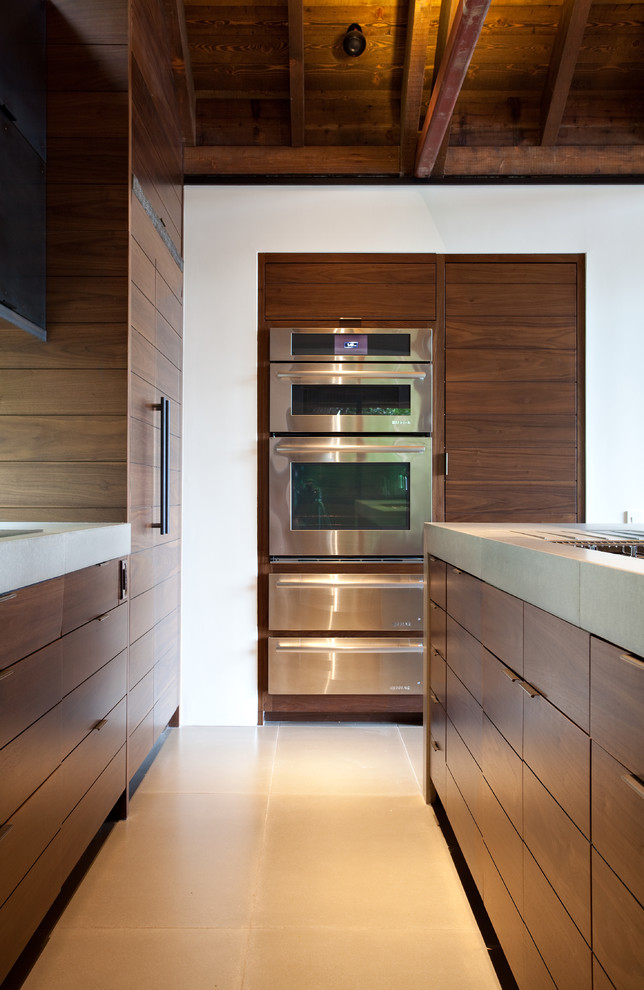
354	344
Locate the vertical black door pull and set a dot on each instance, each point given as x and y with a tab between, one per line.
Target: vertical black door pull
164	467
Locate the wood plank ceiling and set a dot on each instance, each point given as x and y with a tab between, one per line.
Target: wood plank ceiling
467	90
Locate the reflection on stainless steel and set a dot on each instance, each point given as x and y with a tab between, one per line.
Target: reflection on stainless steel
330	343
346	602
345	665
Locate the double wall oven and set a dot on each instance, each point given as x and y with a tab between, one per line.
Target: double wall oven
350	418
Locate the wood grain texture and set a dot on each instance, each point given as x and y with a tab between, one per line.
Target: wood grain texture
557	663
616	798
618	926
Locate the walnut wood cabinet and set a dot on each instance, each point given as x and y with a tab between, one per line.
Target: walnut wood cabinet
63	705
535	750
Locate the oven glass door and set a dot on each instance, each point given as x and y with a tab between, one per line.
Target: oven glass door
336	398
349	495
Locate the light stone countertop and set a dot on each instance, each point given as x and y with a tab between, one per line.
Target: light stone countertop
601	592
55	549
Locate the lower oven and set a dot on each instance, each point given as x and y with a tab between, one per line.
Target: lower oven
348	496
345	665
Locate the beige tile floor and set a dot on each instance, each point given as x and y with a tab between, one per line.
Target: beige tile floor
286	857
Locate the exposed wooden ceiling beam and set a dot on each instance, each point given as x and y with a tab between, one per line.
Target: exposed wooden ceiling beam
413	80
182	69
296	70
528	162
445	19
267	160
466	28
565	52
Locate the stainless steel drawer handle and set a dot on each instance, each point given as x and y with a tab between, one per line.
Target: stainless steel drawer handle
529	690
100	725
349	448
629	658
341	373
634	783
6	674
7	598
4	831
346	649
303	583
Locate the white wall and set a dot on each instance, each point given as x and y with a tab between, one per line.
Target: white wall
225	229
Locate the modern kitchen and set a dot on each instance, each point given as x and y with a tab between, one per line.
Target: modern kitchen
206	597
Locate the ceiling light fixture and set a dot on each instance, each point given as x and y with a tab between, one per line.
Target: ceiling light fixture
354	41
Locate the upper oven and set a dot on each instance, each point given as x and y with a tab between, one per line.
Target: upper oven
342	380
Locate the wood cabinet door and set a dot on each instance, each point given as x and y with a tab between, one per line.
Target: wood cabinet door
616	703
618	799
31	617
513	389
557	663
618	928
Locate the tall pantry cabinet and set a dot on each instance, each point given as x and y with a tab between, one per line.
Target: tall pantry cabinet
79	417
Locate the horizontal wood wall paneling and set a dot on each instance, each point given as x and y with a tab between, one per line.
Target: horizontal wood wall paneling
169	342
82	300
161	195
168	379
79	68
154	565
511	364
143	357
511	272
519	464
93	254
103	22
553	332
68	346
78	485
144	487
515	502
168	305
63	438
140	701
510	300
514	398
143	399
508	431
144	450
88	208
63	392
88	116
142	270
77	161
144	532
152	244
143	314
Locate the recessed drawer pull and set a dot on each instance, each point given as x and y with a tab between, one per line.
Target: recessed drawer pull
7	598
433	697
435	746
634	661
456	570
103	617
99	725
529	689
510	674
634	783
7	673
5	830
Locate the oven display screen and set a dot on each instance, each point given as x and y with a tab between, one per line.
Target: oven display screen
354	344
356	496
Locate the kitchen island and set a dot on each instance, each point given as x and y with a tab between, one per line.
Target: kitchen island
534	685
64	616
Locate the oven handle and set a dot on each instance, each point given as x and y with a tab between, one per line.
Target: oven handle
362	373
349	448
319	582
379	646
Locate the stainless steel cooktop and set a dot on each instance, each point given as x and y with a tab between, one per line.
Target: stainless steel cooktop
630	543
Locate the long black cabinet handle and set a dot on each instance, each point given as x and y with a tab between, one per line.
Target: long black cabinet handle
164	466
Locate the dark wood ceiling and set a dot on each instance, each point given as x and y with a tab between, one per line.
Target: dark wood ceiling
486	89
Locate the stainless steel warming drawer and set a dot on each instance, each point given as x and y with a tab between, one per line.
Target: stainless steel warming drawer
345	665
356	602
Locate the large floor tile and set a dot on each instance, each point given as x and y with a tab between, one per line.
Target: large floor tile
203	759
185	860
141	960
366	861
412	737
341	759
297	959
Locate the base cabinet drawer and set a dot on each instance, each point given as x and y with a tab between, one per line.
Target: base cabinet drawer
21	914
24	837
616	703
618	796
437	742
466	830
31	618
80	827
618	928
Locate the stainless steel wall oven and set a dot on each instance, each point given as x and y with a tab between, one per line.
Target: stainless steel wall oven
350	419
